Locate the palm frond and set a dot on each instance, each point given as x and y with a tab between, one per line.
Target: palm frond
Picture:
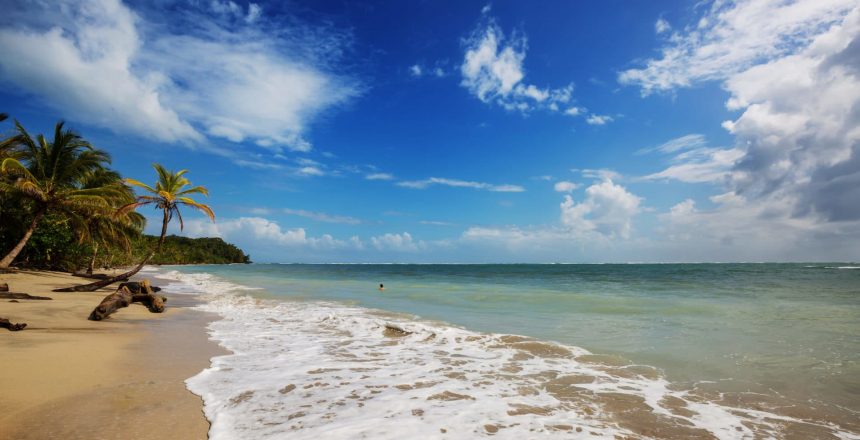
199	206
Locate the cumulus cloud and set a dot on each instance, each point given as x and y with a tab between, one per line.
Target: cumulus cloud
801	126
594	119
733	36
492	70
607	209
602	218
396	242
793	175
416	70
426	183
210	71
258	230
565	186
574	111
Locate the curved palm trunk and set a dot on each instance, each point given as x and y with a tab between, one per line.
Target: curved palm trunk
92	287
7	260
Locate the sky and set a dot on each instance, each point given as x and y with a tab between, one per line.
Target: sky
464	131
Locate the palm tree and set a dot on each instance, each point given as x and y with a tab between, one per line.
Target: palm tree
106	227
170	192
7	149
51	178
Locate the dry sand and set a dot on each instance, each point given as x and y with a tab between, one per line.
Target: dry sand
65	377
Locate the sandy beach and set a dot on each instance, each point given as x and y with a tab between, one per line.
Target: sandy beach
69	378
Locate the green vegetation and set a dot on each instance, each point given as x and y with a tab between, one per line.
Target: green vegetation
63	208
184	250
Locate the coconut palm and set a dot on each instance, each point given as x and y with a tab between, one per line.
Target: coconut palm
104	227
49	175
8	145
171	191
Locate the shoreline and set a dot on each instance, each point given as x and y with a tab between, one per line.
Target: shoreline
119	378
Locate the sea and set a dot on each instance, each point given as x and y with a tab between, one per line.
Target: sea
519	351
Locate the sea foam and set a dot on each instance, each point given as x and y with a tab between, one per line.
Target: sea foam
313	369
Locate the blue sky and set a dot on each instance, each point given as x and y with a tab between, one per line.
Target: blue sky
333	131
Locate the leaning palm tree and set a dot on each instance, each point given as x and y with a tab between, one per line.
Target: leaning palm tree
171	191
49	175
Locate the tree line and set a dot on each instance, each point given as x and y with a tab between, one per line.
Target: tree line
62	207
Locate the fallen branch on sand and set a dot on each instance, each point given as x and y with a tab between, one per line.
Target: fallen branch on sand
93	276
137	287
124	296
16	295
5	323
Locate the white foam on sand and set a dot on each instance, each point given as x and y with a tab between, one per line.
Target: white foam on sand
311	370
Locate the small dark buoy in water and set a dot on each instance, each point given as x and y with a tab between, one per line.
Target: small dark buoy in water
381	287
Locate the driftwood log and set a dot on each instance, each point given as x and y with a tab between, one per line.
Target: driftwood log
123	297
16	295
5	323
155	303
137	287
93	276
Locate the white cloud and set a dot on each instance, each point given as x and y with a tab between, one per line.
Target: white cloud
492	70
397	242
792	180
254	12
435	223
379	176
662	26
415	70
310	171
685	142
86	71
257	164
604	217
800	127
202	75
733	36
694	161
422	184
574	111
322	217
257	231
598	119
608	209
601	174
565	186
701	165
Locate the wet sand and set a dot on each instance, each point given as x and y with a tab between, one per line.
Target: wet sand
65	377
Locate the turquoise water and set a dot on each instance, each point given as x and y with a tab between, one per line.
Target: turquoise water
791	330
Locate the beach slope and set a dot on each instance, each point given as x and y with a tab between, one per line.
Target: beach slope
65	377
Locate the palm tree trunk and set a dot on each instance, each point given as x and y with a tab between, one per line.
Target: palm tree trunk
7	260
93	259
92	287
